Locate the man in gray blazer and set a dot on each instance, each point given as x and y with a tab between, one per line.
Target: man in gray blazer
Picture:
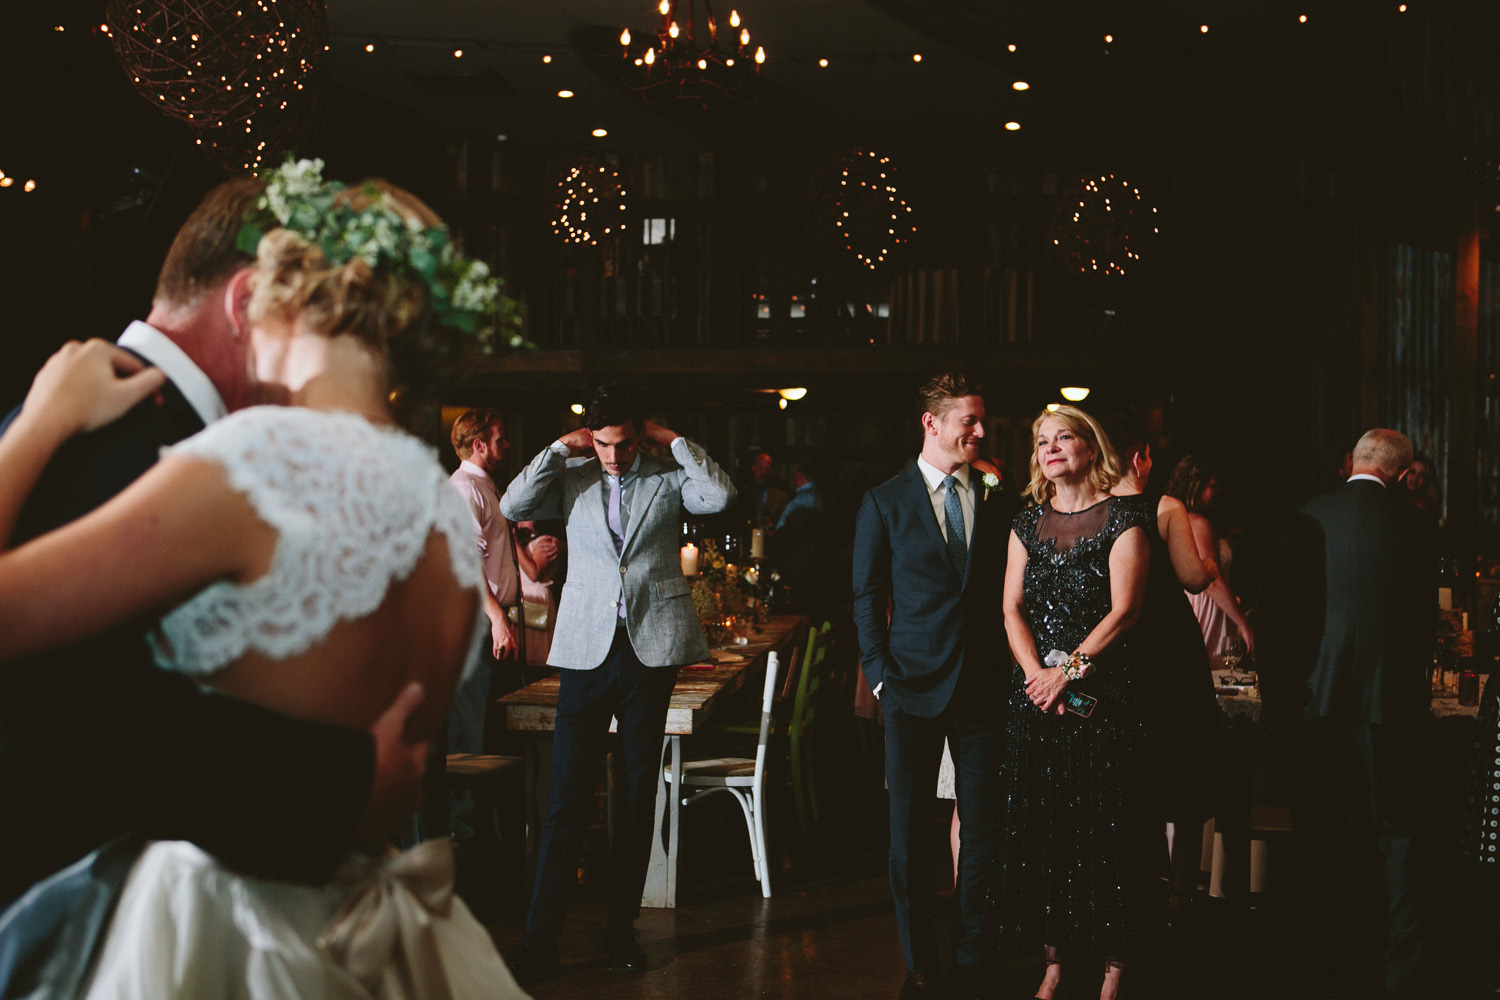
625	625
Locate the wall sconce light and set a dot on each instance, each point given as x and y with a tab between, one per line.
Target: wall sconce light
577	408
1074	393
792	394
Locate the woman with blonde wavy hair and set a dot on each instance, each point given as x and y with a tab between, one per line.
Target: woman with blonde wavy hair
1075	580
308	556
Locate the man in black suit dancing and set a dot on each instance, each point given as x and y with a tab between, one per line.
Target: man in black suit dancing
1349	632
930	545
95	741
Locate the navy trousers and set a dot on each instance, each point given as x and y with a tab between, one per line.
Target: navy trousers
638	696
913	754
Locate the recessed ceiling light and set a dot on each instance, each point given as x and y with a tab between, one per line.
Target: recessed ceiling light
565	93
1010	48
823	63
1020	85
546	59
1012	126
1203	28
600	133
916	57
370	47
458	53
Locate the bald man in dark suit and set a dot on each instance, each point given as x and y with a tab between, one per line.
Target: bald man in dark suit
1348	636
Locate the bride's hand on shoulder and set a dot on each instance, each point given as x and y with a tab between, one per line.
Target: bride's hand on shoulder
87	385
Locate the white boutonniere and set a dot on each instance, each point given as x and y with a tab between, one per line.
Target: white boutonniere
991	482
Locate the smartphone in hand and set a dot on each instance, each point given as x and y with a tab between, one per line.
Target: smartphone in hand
1080	704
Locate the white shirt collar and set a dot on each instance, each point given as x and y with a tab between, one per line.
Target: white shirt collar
472	469
935	478
1366	475
159	349
630	473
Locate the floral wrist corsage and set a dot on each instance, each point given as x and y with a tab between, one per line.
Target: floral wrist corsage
1079	666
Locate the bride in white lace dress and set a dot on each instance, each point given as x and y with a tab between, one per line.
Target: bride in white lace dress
310	557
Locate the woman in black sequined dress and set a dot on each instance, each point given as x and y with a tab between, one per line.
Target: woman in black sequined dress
1075	581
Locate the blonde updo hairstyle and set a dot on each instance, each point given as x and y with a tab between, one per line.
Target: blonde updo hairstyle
1104	473
389	313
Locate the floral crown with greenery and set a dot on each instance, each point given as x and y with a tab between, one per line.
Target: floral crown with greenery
462	293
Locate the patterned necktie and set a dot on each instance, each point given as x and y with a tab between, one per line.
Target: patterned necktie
958	548
616	526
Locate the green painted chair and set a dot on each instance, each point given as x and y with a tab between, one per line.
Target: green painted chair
799	726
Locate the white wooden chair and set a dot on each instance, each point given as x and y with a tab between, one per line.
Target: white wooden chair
741	777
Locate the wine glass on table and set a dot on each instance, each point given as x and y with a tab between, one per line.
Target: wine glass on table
1232	651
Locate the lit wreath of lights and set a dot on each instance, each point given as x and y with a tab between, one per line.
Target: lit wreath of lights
871	218
590	204
1099	224
234	70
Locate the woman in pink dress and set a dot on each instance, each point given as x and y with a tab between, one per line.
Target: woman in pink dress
1194	483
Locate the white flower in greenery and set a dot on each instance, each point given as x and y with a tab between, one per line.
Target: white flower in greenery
293	182
475	292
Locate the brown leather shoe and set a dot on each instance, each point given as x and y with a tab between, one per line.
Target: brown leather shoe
919	986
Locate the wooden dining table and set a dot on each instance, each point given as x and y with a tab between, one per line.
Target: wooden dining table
701	690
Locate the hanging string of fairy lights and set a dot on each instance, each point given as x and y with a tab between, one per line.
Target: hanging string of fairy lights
590	204
235	71
1100	223
871	217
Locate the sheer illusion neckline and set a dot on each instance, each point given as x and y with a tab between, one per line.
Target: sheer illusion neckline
1081	510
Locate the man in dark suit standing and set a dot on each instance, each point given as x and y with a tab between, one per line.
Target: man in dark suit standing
1349	634
96	741
929	547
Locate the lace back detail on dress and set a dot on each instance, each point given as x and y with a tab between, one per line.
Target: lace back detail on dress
353	505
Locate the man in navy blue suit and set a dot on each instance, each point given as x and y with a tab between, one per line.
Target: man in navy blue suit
929	549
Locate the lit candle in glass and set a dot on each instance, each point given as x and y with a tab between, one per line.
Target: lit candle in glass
690	559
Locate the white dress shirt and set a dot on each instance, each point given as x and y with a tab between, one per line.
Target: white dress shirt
938	494
492	530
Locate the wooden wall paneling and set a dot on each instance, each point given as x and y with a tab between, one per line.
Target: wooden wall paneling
1487	374
1461	497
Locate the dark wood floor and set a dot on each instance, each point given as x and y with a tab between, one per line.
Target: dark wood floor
829	932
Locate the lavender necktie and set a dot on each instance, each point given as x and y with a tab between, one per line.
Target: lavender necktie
616	528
